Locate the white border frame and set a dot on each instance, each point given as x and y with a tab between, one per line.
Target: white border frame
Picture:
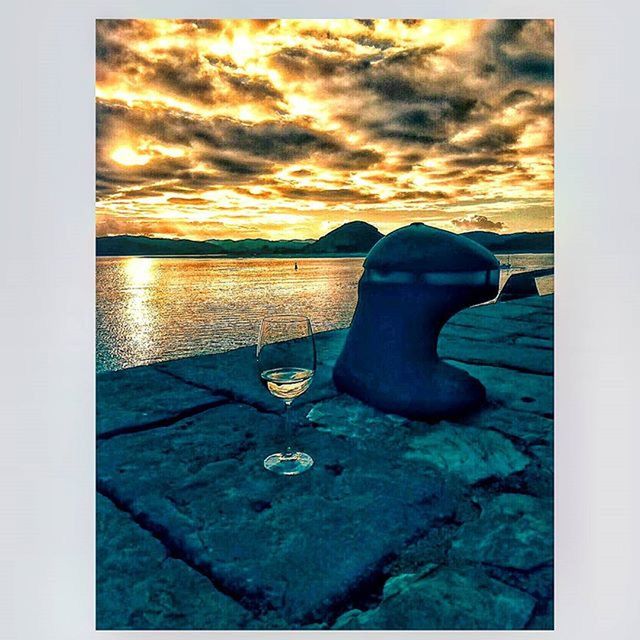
47	316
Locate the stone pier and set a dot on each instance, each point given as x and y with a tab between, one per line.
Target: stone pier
399	524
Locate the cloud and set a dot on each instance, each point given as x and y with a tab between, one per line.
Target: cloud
481	161
326	195
517	96
189	201
522	49
478	223
493	138
360	159
316	120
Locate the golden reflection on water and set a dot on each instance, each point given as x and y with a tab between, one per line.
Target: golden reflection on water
139	316
154	309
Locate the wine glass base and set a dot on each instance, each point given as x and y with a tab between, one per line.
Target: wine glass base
288	464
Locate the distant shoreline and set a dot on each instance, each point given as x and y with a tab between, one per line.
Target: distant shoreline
352	239
280	256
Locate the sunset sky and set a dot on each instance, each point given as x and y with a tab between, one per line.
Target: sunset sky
288	128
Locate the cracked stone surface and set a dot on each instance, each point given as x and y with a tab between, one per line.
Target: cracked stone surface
445	599
138	586
267	539
142	397
514	391
513	530
399	525
467	452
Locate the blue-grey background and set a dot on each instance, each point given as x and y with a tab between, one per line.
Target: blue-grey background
48	304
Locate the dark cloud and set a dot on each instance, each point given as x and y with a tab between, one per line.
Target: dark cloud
542	108
531	65
494	138
276	141
326	195
184	76
521	49
506	31
189	201
360	159
412	158
433	122
233	165
369	40
254	88
480	161
517	96
299	62
478	222
415	56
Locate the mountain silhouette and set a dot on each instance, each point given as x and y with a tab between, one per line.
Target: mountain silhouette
523	242
351	238
144	246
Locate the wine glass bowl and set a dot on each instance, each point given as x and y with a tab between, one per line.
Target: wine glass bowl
286	361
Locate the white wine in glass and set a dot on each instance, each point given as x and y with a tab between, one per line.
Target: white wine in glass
286	359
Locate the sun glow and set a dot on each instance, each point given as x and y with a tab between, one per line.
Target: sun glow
127	157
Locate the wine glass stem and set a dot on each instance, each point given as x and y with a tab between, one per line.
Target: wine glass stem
288	432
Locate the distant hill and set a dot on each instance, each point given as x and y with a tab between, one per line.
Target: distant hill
525	242
352	237
143	246
260	246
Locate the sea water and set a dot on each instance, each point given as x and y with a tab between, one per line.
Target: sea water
154	309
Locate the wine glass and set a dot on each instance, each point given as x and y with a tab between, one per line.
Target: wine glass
286	359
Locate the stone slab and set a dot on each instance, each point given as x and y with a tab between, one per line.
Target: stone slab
299	546
513	530
541	343
501	328
142	397
529	427
468	453
497	353
445	598
516	335
522	309
471	454
514	390
139	587
347	416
